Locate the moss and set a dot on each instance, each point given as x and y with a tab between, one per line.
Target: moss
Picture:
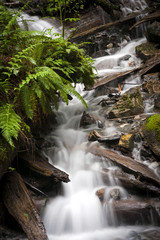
153	124
147	48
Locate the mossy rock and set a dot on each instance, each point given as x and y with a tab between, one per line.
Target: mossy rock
151	133
130	104
147	50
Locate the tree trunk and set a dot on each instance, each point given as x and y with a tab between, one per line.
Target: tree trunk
20	205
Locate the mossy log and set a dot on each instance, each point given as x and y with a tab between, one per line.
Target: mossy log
20	205
128	164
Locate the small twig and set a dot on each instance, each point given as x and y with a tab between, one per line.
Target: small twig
30	185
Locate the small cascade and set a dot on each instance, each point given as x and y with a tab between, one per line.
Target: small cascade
131	6
123	60
35	23
135	6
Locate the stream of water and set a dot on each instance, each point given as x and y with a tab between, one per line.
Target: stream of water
77	214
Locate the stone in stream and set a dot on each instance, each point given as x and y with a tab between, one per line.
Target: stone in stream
115	194
130	103
87	119
127	142
151	83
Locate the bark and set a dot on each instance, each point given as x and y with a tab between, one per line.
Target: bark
128	164
20	205
40	165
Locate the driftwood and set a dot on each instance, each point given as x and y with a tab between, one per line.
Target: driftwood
19	204
128	164
137	211
40	165
147	18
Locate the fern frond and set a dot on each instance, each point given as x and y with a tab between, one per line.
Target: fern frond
26	101
9	123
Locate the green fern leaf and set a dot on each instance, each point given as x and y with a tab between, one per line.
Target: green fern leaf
9	123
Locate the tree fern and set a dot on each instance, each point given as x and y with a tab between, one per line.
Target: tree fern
9	123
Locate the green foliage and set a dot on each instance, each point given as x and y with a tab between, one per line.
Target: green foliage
9	123
153	124
36	72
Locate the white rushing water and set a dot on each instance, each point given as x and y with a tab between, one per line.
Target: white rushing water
77	213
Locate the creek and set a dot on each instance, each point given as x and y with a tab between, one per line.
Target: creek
77	213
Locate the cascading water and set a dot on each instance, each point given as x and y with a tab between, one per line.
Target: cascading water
78	214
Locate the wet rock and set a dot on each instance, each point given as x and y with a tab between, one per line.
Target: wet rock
151	133
151	83
130	103
100	193
100	124
136	211
146	51
104	90
87	119
110	45
153	234
157	102
127	142
115	194
153	32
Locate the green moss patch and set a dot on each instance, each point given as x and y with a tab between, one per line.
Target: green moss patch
153	124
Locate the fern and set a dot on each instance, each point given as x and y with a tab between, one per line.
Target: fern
9	123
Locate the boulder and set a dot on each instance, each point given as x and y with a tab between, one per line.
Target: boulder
127	142
157	102
151	83
153	32
150	131
130	103
87	119
100	193
146	51
115	194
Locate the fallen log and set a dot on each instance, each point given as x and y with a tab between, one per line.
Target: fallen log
136	212
139	71
105	26
147	18
138	169
40	165
129	182
20	205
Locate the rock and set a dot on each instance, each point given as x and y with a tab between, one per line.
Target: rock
100	193
151	133
151	83
87	119
104	90
134	212
127	142
157	102
110	45
115	194
153	32
146	51
130	103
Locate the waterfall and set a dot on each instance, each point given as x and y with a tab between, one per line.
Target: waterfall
77	213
